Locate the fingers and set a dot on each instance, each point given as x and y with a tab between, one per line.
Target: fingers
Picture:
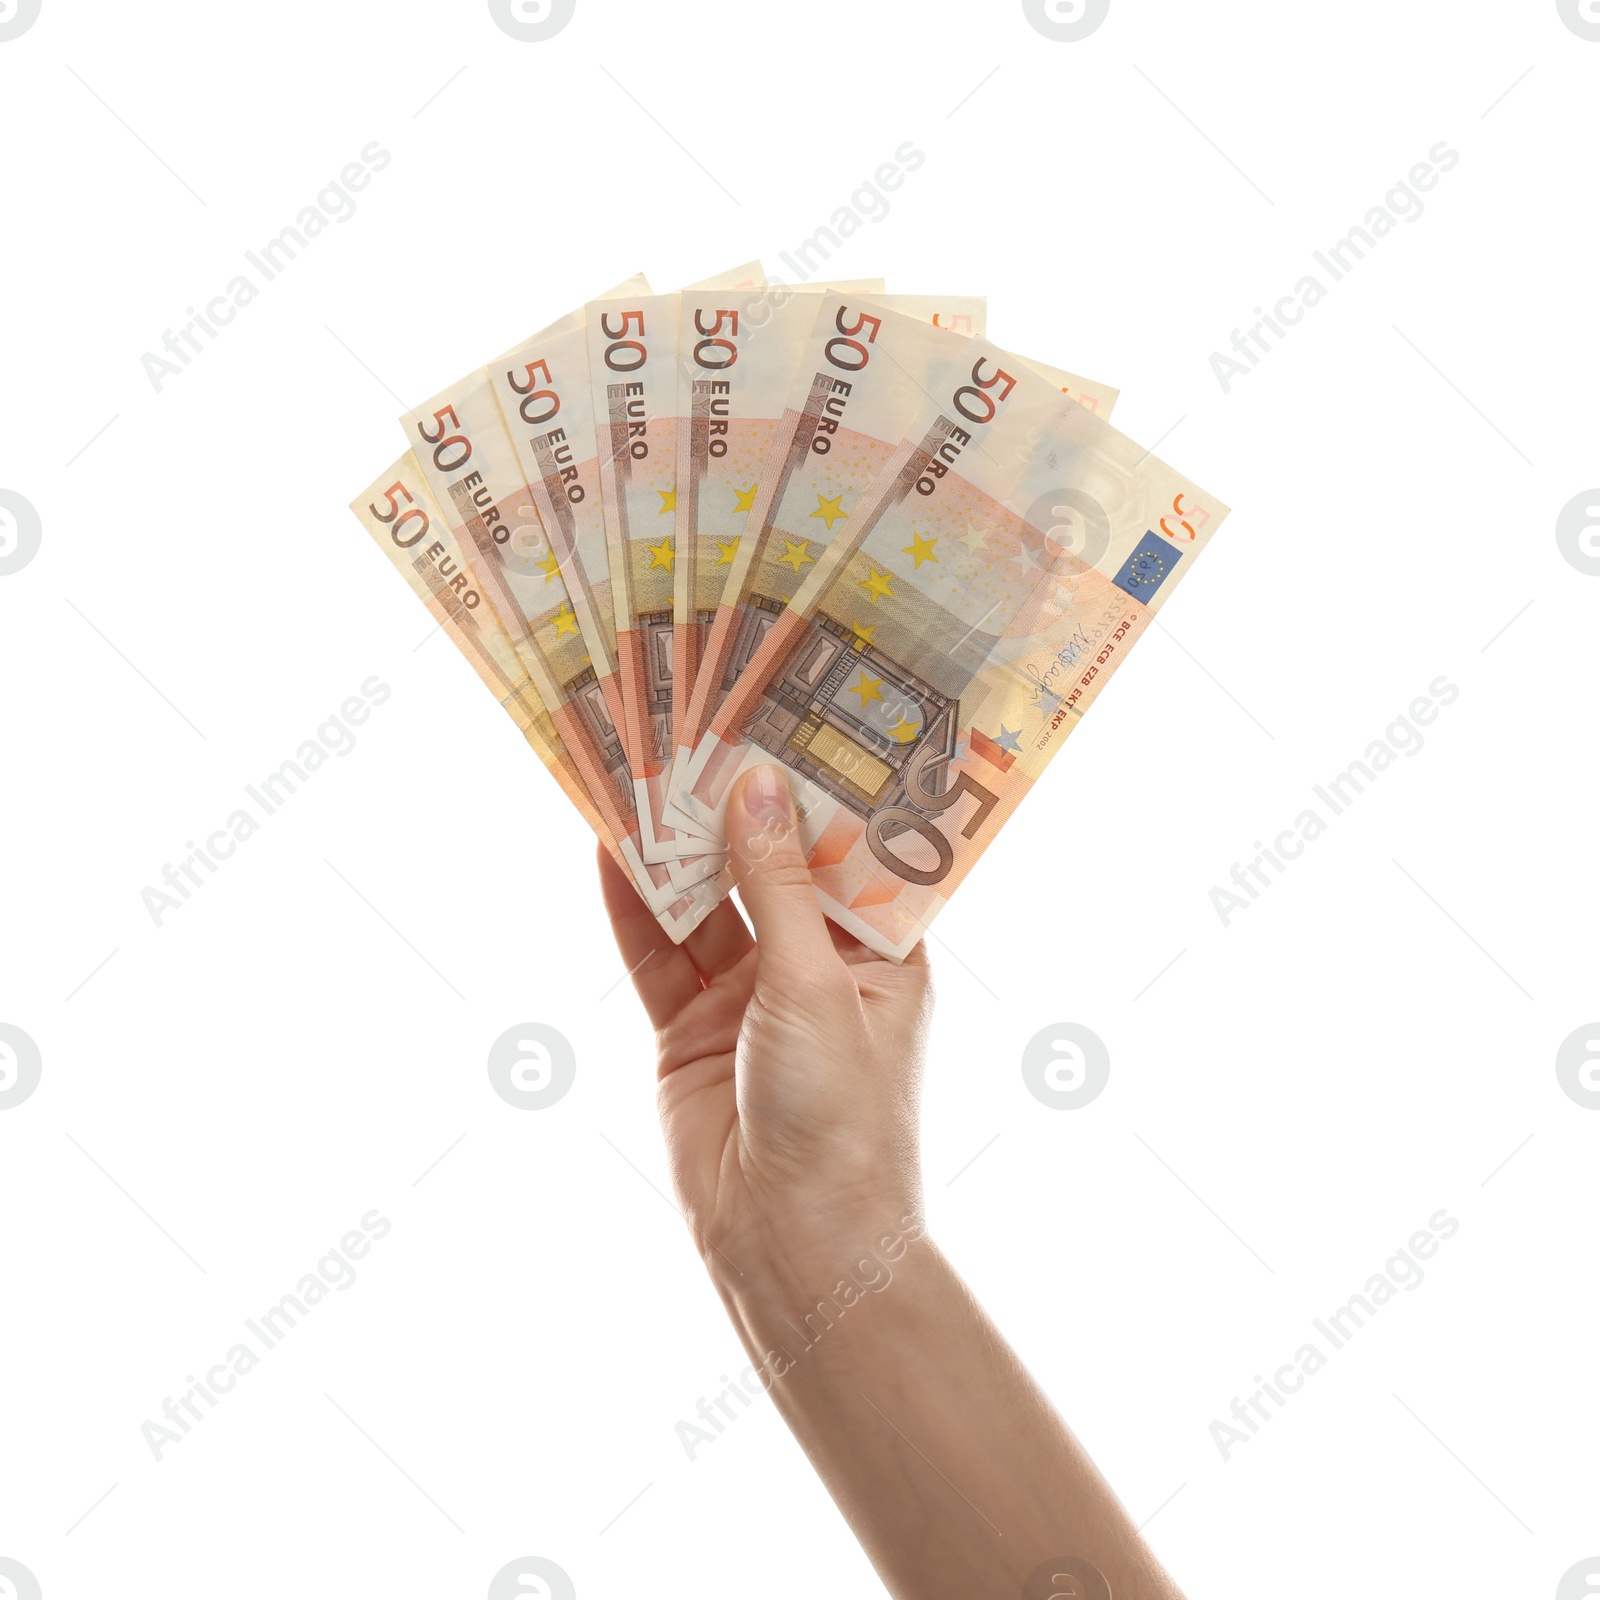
663	973
774	879
720	942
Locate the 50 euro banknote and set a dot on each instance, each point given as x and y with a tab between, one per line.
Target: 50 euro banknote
632	345
737	364
946	643
869	366
547	404
542	389
737	351
470	462
403	519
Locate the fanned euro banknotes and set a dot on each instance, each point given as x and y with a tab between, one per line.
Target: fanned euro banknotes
824	526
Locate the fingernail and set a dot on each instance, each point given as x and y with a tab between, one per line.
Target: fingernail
766	795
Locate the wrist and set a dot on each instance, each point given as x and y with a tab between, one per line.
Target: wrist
846	1254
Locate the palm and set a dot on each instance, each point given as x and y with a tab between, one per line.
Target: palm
704	1050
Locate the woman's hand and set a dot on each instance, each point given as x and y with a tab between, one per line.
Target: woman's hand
789	1064
790	1067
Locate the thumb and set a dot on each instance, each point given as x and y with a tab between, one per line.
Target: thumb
773	876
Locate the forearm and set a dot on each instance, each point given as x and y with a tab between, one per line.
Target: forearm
789	1073
950	1465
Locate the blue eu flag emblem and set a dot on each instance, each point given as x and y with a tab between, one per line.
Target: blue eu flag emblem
1150	565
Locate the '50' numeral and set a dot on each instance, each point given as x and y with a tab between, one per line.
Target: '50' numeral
917	822
400	518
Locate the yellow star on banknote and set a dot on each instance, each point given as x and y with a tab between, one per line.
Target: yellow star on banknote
744	498
669	499
920	549
863	631
829	510
876	586
868	690
566	620
903	732
794	554
548	566
726	552
661	554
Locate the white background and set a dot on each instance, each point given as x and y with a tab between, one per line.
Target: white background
1291	1096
